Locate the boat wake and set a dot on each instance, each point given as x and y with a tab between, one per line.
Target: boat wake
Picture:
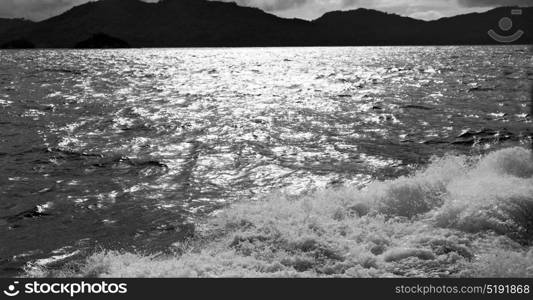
461	216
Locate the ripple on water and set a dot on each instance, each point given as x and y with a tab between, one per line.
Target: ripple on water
121	142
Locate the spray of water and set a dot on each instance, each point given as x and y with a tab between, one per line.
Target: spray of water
452	218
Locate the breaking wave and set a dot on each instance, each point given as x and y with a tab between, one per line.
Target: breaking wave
450	219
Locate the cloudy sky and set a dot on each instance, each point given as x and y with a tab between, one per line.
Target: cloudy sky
307	9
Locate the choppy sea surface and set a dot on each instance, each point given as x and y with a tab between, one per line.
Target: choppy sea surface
127	149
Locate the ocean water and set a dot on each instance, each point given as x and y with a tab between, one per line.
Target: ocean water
136	150
460	216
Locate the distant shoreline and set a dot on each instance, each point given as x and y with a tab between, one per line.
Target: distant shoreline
275	47
200	24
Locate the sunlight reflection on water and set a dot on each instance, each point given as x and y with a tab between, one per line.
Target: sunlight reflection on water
126	145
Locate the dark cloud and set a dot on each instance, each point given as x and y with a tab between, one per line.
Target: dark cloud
493	3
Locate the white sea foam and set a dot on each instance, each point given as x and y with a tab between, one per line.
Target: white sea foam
445	220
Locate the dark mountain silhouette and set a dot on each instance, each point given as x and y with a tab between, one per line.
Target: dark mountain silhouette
101	41
7	25
368	27
193	23
473	28
18	44
169	23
